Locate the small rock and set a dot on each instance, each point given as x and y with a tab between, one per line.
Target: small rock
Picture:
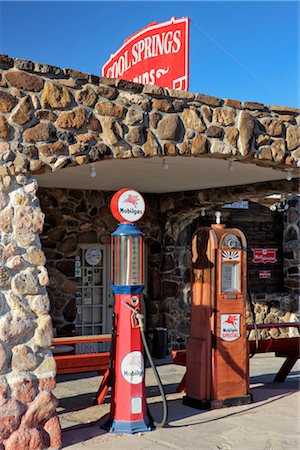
162	104
220	147
10	418
231	135
25	283
40	132
273	127
86	97
136	135
293	137
191	120
224	116
135	116
199	145
108	92
246	128
112	131
13	329
39	304
28	439
170	128
151	146
25	81
25	391
7	102
3	358
4	128
45	114
23	359
214	131
278	150
55	96
110	109
44	333
40	410
52	427
71	119
52	149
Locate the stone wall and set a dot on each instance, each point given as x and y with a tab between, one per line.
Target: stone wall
291	243
74	217
51	118
27	368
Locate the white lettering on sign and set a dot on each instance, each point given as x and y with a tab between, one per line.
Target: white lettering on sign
132	367
230	327
131	205
157	54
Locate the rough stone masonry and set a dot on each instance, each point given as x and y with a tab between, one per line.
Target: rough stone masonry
52	118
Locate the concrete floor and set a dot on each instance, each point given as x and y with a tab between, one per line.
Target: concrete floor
271	422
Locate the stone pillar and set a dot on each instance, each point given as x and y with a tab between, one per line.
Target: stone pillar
291	246
28	417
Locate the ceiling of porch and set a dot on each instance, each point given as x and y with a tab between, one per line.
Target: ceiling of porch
149	175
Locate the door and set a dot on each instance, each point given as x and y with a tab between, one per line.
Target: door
94	299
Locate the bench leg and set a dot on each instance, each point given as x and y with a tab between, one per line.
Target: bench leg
103	388
285	368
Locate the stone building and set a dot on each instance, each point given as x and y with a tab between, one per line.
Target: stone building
59	128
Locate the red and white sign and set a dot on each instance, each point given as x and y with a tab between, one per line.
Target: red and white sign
230	327
265	274
264	255
127	205
157	54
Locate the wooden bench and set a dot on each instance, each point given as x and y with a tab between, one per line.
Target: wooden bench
283	347
88	362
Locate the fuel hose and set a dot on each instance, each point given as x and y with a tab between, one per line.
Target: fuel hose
164	420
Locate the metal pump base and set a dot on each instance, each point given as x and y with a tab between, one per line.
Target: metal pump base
217	404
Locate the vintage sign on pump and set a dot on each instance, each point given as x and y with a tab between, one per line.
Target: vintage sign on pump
230	327
158	54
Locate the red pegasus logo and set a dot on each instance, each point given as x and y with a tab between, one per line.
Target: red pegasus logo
231	320
133	199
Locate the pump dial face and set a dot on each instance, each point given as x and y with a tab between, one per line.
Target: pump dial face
231	241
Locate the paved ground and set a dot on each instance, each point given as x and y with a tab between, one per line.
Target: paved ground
271	422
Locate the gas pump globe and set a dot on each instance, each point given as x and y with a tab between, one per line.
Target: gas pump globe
128	413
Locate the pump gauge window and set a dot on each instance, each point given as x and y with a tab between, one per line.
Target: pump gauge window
93	256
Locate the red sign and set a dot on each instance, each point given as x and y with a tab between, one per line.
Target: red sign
265	274
157	54
264	255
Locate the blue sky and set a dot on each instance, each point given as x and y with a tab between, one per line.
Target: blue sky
241	50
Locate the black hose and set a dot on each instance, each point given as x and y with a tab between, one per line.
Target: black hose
161	390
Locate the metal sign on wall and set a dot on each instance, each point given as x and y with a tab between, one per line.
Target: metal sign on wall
158	54
264	255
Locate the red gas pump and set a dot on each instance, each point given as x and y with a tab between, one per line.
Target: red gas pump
128	412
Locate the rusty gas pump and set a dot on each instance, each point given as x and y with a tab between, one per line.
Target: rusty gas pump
217	356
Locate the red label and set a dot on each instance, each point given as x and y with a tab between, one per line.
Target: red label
265	274
157	54
264	255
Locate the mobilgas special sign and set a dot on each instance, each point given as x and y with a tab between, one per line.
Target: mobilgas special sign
158	54
230	327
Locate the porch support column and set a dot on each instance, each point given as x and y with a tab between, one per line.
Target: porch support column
291	246
27	368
